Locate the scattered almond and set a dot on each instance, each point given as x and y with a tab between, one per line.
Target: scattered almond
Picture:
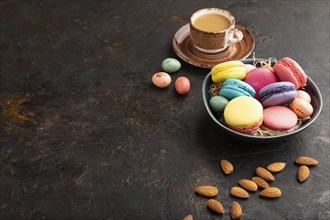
235	210
208	191
260	182
239	192
252	185
306	161
276	167
226	166
215	206
248	184
265	174
188	217
303	173
271	192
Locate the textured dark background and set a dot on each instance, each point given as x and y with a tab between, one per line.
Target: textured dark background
85	135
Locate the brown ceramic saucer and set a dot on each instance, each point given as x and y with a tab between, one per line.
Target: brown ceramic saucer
184	48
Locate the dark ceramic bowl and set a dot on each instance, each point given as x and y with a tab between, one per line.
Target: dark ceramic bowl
311	88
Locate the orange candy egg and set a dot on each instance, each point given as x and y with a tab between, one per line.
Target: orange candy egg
301	107
304	95
161	79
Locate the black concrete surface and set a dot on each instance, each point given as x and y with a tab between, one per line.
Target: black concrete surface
85	135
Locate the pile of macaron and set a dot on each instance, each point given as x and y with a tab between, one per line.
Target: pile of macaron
249	98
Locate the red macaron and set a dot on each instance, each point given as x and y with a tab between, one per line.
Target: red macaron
289	70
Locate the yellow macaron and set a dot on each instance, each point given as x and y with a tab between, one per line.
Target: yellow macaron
243	114
228	70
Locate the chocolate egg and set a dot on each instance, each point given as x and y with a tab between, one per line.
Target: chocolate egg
161	79
171	65
301	107
304	95
182	85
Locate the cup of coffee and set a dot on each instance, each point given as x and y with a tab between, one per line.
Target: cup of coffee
212	30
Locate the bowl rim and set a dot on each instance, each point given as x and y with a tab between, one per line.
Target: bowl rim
310	83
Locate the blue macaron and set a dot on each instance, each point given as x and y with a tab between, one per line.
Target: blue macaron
232	88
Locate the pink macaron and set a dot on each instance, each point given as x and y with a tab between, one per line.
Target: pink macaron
260	77
289	70
279	118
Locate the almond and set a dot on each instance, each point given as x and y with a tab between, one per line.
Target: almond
226	166
303	173
235	210
276	167
215	206
188	217
248	184
265	174
271	192
306	161
208	191
239	192
260	182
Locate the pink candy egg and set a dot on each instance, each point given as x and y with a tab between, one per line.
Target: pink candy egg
182	85
249	67
161	79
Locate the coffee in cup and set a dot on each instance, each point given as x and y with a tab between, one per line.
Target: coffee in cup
212	22
212	30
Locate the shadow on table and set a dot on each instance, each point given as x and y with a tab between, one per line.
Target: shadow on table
214	140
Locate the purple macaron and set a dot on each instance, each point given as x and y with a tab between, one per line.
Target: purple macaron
277	93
